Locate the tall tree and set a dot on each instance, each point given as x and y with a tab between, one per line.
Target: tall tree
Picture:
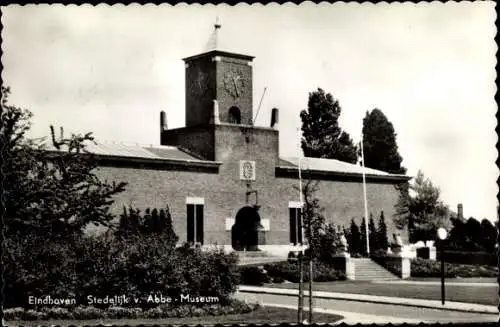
45	192
457	237
362	230
382	233
421	209
489	233
373	236
314	220
474	235
355	242
322	135
379	143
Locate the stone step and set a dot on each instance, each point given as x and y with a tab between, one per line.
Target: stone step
252	254
367	270
259	261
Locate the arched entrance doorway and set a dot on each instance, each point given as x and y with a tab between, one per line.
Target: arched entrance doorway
244	233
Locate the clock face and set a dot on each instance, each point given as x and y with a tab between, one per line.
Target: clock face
234	83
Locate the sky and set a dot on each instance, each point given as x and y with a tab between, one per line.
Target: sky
428	67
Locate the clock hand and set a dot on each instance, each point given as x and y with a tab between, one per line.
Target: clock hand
236	87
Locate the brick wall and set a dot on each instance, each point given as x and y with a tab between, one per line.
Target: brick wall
198	140
205	82
226	101
200	91
224	192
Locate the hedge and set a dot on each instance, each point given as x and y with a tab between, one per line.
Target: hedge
431	268
288	271
163	311
469	258
105	266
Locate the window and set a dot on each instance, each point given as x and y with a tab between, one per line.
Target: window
234	115
194	208
295	225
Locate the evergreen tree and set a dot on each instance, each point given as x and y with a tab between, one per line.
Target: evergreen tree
383	239
312	216
354	240
489	237
322	135
147	223
168	228
457	237
362	230
373	237
474	236
402	217
156	223
379	143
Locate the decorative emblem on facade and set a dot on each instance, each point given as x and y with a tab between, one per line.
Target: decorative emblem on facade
247	170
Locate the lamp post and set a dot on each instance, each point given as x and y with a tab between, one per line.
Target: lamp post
442	233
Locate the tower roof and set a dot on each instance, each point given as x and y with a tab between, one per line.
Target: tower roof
213	41
216	46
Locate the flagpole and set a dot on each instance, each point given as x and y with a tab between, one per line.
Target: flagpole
364	196
300	311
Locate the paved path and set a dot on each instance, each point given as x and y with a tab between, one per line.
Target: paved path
394	301
364	312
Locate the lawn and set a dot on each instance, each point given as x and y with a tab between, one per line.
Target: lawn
487	295
457	280
262	315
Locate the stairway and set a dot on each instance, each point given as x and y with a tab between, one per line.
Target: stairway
248	258
366	269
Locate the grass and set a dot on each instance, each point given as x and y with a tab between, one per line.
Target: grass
487	295
458	280
262	315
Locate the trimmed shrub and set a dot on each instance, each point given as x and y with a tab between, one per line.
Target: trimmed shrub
290	271
13	313
57	313
278	280
469	258
252	275
153	313
34	315
105	266
86	313
430	268
36	266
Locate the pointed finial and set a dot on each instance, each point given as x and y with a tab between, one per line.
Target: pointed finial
212	43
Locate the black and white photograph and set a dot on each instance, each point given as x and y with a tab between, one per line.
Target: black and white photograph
258	164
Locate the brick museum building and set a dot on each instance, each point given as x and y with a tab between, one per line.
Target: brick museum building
223	178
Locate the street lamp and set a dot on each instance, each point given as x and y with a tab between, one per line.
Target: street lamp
442	233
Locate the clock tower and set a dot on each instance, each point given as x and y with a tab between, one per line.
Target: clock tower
225	77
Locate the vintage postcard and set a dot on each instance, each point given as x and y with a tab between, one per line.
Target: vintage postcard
249	164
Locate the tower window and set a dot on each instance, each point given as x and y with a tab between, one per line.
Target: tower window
234	115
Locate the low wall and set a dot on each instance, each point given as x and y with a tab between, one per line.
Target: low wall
398	265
